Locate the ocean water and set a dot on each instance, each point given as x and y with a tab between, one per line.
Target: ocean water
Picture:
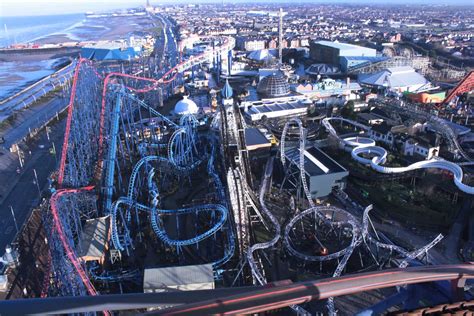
26	29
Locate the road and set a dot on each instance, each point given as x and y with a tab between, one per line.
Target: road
32	118
166	46
24	195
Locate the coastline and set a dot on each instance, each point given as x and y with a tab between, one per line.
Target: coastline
18	70
98	29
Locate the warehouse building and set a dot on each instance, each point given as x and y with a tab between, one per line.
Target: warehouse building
331	52
350	63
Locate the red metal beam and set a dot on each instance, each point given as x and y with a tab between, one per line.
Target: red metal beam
466	85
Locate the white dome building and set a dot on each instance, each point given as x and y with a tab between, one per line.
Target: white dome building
185	106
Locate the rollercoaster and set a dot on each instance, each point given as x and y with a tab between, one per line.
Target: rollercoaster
122	159
325	221
112	132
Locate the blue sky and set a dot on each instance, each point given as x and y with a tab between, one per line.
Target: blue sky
45	7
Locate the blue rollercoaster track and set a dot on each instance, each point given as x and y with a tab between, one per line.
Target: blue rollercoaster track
181	144
112	152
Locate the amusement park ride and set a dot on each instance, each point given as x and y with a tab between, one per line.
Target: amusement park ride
121	158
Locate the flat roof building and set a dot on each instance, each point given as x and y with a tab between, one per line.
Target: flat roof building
255	139
178	278
274	108
323	174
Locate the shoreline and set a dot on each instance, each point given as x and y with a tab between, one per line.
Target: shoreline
19	68
93	29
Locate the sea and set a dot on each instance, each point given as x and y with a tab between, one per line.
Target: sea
24	29
18	74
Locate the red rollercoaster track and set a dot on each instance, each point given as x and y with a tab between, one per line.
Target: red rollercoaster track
466	85
70	253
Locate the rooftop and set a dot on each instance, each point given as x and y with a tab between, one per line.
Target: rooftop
267	106
316	161
178	278
394	78
341	46
93	238
254	139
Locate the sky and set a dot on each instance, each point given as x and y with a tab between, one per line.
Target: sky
49	7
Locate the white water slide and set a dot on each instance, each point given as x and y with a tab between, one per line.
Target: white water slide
363	147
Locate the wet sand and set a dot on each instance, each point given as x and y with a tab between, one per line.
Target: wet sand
100	29
17	75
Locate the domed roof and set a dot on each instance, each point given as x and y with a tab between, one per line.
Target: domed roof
185	106
274	85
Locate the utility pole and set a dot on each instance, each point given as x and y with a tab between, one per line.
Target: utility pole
54	153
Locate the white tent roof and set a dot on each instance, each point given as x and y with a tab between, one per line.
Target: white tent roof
394	78
261	55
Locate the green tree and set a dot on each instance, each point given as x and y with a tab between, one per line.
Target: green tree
348	110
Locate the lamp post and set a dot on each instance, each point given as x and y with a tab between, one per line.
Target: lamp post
14	218
37	182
